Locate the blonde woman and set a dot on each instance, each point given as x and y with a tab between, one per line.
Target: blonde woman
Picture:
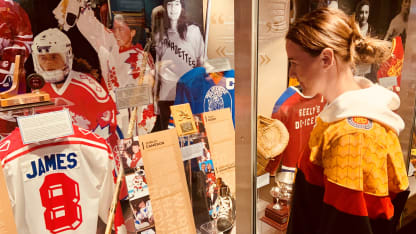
353	178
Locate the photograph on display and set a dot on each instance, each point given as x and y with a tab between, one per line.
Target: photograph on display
381	19
205	186
143	215
177	31
137	194
128	153
137	184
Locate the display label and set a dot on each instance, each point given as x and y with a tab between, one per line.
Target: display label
217	65
221	137
132	96
388	82
41	127
165	176
192	151
263	180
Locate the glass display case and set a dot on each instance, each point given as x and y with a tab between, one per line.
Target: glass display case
213	55
298	111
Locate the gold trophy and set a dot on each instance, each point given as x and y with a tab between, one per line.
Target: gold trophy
11	100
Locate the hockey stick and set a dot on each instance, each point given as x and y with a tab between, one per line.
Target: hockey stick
132	122
115	200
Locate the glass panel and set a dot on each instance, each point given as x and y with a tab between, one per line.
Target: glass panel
281	99
119	66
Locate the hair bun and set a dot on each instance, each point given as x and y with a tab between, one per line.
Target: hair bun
363	47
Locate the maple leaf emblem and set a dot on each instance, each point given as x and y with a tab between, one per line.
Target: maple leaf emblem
133	60
104	132
80	121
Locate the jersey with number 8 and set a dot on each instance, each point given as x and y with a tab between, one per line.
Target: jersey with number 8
58	186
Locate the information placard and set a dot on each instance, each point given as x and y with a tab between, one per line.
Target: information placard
132	96
167	183
221	137
41	127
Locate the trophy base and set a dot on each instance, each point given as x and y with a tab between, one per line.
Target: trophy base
24	99
278	226
276	218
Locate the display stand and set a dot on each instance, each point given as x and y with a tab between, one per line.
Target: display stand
276	218
10	99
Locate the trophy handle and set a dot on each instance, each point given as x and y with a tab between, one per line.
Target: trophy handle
16	74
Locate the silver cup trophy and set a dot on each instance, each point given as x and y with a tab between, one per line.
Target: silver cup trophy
282	192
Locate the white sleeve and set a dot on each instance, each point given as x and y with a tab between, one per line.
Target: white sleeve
16	193
95	32
195	37
106	191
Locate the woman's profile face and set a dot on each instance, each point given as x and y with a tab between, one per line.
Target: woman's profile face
174	9
363	14
305	68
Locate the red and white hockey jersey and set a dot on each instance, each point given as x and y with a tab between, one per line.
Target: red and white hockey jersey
15	39
298	113
392	68
92	108
119	68
61	185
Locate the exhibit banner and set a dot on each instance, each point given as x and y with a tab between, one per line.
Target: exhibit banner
221	137
166	180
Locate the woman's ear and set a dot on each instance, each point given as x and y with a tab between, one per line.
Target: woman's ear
327	57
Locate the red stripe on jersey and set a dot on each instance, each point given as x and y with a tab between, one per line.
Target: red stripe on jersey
379	207
345	200
357	202
36	147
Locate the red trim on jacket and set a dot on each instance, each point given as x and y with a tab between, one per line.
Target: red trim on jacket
357	202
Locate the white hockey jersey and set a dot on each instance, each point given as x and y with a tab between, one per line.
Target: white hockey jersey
119	68
178	57
58	186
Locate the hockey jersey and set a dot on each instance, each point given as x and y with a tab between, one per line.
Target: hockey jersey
92	108
58	186
392	68
119	68
298	113
178	57
206	92
15	39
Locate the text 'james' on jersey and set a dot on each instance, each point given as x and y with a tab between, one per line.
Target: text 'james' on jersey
49	163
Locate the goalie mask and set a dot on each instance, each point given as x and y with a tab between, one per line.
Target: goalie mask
48	42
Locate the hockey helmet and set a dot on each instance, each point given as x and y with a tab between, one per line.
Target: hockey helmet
52	41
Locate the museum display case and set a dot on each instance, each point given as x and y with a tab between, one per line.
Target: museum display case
298	111
175	116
